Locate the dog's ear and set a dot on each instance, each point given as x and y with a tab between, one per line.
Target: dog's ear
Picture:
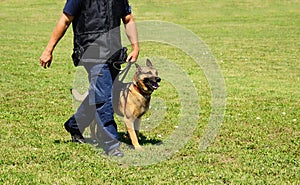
138	67
148	63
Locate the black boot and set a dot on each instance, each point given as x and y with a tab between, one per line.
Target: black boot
76	135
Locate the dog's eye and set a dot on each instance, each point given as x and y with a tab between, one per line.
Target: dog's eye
149	72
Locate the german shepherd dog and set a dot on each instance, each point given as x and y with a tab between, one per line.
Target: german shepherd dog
131	100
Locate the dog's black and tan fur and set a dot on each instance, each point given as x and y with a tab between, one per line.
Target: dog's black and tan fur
131	100
134	98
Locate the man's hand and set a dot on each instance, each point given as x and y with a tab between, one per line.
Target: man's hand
132	35
133	56
58	32
46	59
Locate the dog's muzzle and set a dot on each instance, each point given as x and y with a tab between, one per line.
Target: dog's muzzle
152	83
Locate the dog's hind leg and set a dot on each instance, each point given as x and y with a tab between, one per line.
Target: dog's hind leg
93	130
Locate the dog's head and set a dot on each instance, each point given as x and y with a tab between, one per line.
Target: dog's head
146	78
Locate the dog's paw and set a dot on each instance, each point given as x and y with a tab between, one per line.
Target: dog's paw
138	148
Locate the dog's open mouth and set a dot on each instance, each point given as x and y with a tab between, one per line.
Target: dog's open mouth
152	83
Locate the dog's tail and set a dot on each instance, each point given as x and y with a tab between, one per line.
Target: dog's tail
77	96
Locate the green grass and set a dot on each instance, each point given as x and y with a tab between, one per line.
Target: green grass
256	44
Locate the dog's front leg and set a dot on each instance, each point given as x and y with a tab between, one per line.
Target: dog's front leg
129	123
137	124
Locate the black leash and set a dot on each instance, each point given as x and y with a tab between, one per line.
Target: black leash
125	71
118	59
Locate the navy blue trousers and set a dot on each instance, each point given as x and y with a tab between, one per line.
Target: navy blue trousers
97	105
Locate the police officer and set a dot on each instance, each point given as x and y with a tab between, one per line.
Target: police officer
96	29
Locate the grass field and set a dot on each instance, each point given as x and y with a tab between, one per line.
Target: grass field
257	46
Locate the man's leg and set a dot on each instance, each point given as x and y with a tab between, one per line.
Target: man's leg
108	131
80	120
101	86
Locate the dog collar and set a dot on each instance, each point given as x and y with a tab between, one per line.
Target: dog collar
145	94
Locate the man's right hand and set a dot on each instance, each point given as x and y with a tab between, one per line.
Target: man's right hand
58	32
46	59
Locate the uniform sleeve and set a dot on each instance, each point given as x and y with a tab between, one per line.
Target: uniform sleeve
127	8
72	7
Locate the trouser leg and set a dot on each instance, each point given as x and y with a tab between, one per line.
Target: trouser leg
104	109
105	122
107	129
97	105
77	123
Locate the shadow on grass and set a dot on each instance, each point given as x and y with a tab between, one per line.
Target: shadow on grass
143	140
57	141
123	137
